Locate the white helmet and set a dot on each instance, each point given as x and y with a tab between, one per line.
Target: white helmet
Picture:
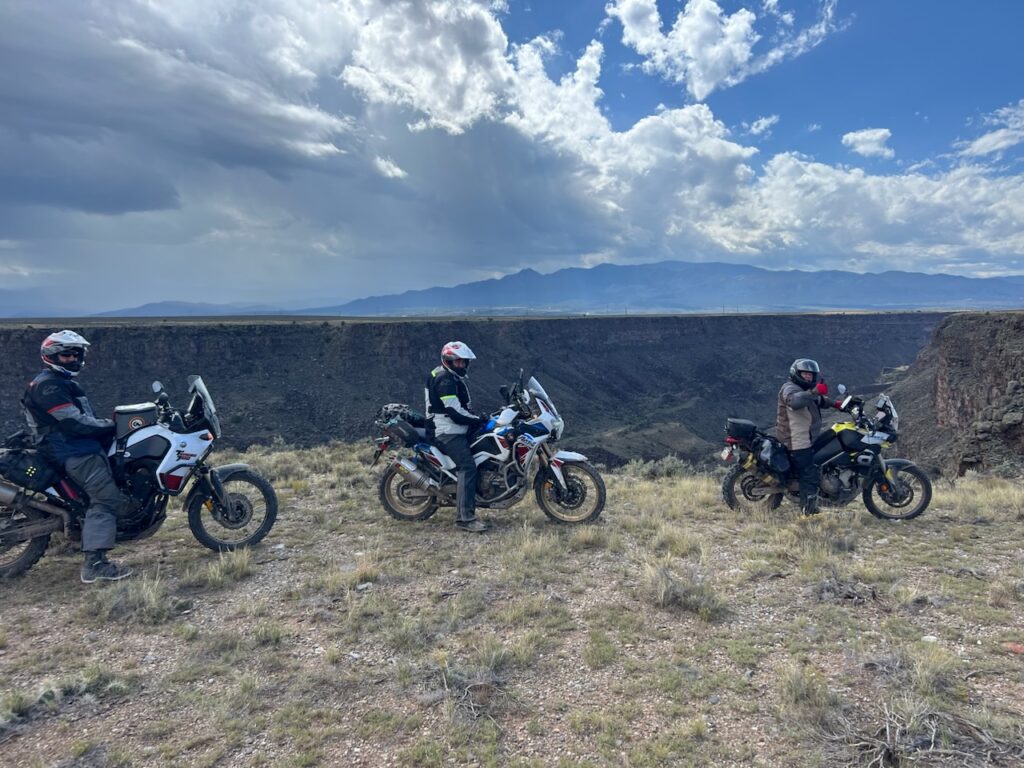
456	350
64	343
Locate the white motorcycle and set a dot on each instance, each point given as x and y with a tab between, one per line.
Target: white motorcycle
513	452
156	451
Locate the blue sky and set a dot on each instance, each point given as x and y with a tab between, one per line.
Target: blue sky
306	151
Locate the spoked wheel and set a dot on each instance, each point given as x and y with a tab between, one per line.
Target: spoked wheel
904	498
402	499
18	557
743	491
581	501
247	517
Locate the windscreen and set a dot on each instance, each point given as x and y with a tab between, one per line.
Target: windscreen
534	388
198	389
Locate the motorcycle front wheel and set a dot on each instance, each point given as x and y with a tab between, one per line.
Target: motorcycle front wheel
905	499
19	557
581	501
247	517
403	500
741	491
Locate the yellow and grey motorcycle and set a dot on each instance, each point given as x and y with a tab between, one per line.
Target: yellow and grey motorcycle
849	455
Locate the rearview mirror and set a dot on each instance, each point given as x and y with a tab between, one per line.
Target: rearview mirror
505	393
841	389
157	387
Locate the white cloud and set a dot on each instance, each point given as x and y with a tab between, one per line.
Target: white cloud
813	127
708	49
387	168
870	142
771	7
1009	134
445	59
762	126
236	135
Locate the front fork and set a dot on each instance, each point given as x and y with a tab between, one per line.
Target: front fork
211	486
553	465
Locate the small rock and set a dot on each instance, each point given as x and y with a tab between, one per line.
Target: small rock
363	586
1012	419
713	699
929	639
1014	647
279	546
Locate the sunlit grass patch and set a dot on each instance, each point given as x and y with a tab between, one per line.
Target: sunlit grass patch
600	650
228	568
142	600
806	697
684	588
95	680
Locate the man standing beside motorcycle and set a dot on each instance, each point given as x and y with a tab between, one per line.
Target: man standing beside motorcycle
448	411
798	423
68	433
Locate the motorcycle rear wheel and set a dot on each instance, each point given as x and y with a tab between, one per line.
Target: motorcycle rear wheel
890	507
18	558
581	502
739	495
252	511
403	500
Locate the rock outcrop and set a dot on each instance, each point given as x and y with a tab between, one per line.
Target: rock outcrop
962	401
628	387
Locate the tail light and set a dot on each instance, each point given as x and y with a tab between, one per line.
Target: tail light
732	441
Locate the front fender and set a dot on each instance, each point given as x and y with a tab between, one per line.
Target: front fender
560	458
896	464
201	487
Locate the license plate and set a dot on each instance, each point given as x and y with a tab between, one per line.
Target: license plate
726	454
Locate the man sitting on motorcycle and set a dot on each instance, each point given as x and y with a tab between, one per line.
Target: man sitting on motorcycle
452	422
798	423
70	436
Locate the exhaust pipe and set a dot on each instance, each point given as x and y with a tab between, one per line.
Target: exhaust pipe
14	497
417	476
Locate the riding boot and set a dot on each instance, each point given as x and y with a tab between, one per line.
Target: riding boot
465	516
97	568
809	505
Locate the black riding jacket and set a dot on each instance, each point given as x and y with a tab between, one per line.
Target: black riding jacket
61	419
448	404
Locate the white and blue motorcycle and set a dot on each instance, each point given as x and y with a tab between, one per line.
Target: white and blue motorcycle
513	452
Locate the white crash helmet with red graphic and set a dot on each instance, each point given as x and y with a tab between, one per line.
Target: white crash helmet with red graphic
452	353
69	344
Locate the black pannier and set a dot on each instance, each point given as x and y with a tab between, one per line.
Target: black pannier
28	469
403	431
741	429
129	418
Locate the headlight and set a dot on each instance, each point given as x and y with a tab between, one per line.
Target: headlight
557	426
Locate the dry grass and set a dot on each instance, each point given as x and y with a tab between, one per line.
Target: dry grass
672	632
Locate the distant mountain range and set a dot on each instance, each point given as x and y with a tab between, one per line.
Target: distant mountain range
669	286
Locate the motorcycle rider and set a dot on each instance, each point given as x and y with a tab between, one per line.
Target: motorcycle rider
798	423
448	411
70	436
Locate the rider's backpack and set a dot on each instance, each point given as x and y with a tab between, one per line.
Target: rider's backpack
27	469
391	411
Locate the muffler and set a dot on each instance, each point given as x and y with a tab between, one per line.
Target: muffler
14	497
416	476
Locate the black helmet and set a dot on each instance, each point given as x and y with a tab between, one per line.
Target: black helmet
801	365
